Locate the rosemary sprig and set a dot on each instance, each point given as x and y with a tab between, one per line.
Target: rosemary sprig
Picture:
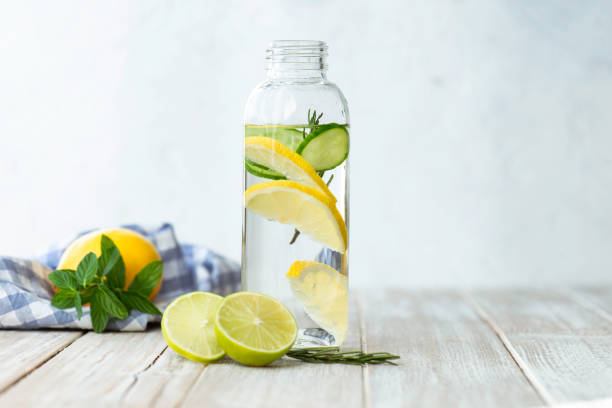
296	232
313	121
333	355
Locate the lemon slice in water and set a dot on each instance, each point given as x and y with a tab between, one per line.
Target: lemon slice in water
323	292
276	156
307	209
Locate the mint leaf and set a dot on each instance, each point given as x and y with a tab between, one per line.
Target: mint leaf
146	280
139	302
116	277
87	294
64	299
87	269
108	260
111	263
99	316
64	279
78	305
110	302
109	254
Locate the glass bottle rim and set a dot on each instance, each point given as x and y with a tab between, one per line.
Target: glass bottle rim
297	47
296	55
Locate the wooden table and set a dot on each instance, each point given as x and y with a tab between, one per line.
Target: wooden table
505	348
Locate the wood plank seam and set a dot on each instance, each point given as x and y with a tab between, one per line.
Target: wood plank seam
195	381
523	366
43	362
138	373
365	374
589	305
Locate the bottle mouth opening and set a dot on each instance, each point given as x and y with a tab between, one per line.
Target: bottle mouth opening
297	47
300	54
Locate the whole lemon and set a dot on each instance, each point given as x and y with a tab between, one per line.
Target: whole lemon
136	251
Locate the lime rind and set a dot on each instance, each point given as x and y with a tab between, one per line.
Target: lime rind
238	349
202	337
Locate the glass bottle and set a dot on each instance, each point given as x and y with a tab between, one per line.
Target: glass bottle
295	226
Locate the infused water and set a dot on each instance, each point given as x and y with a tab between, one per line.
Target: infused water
295	226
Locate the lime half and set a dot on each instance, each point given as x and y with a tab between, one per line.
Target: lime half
188	325
254	329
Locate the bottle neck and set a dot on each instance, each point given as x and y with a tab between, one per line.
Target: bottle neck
297	61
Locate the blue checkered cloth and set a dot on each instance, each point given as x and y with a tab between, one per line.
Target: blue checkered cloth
25	292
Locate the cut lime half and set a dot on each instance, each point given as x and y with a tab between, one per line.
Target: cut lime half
254	329
188	325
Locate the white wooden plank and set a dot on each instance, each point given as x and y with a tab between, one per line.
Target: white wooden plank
566	346
601	403
285	383
449	356
22	351
165	383
96	369
597	299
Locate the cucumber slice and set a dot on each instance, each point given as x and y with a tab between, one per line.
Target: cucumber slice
287	136
326	147
261	171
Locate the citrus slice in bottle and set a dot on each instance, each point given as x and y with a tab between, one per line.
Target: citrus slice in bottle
288	136
307	209
254	329
323	292
261	171
326	147
188	325
280	159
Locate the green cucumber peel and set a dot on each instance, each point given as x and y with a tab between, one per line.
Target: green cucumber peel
326	147
261	171
287	136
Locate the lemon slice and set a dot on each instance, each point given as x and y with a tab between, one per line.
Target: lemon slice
307	209
274	155
323	292
188	325
254	329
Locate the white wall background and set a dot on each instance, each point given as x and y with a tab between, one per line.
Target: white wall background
481	130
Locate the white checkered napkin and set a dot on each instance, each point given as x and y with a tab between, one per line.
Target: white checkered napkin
25	293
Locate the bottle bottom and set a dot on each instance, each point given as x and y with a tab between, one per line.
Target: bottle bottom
314	337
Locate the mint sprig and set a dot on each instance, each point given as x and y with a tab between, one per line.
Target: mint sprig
100	281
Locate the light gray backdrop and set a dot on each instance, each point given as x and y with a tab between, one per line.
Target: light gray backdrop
481	130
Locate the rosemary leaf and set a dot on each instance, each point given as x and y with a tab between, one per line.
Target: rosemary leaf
333	355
